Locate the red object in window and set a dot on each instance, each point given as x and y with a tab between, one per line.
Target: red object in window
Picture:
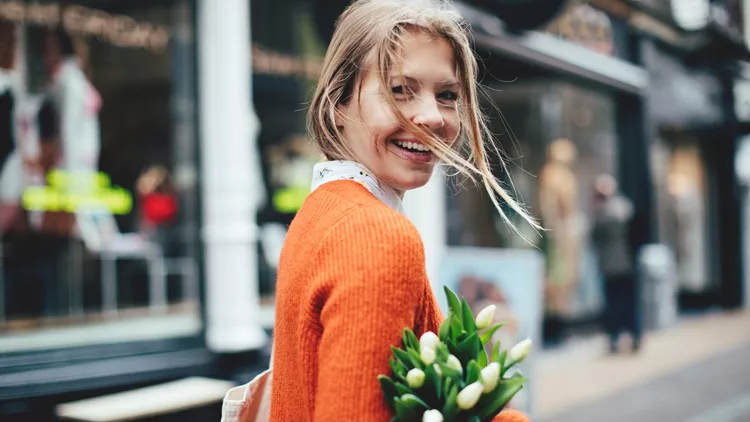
159	208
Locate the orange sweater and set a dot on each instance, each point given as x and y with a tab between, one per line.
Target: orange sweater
351	277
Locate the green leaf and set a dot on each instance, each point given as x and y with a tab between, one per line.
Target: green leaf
415	359
403	389
433	383
453	303
468	317
472	372
501	361
487	336
496	352
410	340
404	411
456	328
389	390
450	408
399	370
482	359
444	331
415	403
491	404
397	419
406	359
469	348
473	419
442	352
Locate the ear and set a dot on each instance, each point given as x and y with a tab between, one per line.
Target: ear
342	114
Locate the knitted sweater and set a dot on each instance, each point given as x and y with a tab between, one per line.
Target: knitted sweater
351	277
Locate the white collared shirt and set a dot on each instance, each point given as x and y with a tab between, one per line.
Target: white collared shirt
330	171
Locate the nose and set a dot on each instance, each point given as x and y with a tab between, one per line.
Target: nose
428	114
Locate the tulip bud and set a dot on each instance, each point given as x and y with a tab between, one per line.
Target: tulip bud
429	340
415	378
438	371
519	352
489	376
485	317
432	415
454	363
428	355
469	396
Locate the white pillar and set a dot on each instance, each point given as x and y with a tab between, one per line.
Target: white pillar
425	207
230	185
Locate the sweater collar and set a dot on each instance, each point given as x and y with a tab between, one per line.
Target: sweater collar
330	171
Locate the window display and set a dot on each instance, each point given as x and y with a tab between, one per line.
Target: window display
98	205
558	137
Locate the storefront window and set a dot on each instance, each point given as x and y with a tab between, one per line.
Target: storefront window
97	187
286	65
682	198
558	138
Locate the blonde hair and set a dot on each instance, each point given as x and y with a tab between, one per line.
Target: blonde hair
369	31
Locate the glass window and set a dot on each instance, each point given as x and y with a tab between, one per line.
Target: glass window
558	137
97	188
286	65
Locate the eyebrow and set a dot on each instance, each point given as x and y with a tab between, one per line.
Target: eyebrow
447	83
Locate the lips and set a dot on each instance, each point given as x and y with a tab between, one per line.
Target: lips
412	150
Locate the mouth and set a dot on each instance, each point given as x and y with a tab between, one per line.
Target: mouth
413	147
412	150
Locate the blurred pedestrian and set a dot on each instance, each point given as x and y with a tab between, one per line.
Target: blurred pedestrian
396	90
612	215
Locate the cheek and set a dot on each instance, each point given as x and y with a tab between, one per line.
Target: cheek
452	125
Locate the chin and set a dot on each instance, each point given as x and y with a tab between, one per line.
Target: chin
412	180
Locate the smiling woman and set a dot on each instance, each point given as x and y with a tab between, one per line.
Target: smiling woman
397	94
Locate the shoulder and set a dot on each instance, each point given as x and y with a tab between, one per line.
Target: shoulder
374	227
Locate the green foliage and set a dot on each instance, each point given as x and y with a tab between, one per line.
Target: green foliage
459	337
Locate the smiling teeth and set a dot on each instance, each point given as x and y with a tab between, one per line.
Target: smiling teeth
412	145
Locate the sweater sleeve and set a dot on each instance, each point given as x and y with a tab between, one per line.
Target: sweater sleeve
374	275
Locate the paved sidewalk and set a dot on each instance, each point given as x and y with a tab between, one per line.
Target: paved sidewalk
584	375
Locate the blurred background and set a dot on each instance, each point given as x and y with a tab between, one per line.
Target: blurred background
153	153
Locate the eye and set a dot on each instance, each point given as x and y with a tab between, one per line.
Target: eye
448	96
399	92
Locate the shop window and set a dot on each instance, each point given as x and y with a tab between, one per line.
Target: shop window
97	190
558	138
286	65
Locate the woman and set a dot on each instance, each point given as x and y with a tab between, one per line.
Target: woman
397	93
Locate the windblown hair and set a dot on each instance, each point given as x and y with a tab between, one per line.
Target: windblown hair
369	33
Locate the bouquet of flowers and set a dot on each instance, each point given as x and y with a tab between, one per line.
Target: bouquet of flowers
450	377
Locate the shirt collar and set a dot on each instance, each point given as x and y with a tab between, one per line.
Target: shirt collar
330	171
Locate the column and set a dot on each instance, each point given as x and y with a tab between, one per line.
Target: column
230	176
425	207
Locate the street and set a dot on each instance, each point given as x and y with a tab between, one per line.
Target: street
698	372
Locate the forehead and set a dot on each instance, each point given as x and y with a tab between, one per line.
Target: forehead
425	57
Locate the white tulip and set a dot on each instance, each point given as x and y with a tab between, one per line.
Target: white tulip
519	352
429	340
415	378
489	376
469	396
432	415
428	355
485	317
453	362
438	371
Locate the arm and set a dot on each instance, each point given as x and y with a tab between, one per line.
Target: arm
371	298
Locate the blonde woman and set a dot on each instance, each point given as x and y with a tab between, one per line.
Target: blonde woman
397	94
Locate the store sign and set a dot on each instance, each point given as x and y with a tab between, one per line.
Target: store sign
269	62
74	191
118	30
583	25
